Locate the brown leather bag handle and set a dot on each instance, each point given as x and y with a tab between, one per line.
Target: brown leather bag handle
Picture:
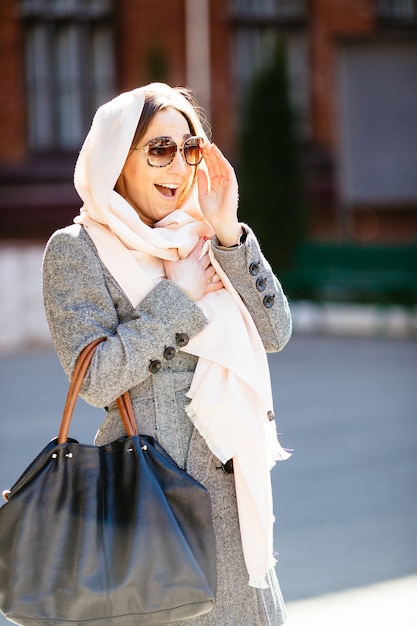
123	402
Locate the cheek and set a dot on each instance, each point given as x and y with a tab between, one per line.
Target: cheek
131	173
136	179
190	185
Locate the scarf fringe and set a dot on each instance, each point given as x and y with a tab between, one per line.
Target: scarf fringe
258	583
284	454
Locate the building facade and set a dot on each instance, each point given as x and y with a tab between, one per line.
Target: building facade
352	67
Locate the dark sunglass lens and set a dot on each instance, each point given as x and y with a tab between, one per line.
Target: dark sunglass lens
192	151
161	152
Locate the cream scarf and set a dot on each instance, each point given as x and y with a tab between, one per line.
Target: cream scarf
230	392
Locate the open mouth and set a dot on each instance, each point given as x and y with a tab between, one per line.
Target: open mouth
167	190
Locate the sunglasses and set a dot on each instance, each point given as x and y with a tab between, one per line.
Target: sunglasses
161	151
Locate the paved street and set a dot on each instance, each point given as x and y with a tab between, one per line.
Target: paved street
345	502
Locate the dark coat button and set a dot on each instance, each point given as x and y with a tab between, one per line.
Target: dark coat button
269	301
181	339
261	284
155	366
254	268
169	353
228	467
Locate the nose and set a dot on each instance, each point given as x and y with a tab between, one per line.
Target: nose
178	163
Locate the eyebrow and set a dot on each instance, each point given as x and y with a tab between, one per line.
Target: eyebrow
184	137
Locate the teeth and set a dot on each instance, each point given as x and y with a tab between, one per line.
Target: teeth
168	185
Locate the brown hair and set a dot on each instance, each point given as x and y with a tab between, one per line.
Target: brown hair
160	97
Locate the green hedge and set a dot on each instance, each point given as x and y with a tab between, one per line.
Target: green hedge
272	198
352	272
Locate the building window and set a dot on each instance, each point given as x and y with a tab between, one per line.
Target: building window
278	9
69	68
398	9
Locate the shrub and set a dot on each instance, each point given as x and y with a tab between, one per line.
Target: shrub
272	198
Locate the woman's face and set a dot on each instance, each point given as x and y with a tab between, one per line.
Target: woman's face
154	192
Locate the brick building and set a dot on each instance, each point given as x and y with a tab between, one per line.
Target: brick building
353	76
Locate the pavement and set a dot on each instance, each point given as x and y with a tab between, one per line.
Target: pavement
345	503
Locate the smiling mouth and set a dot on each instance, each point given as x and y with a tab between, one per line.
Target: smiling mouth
169	191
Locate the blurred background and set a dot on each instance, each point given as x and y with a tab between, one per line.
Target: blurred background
313	101
315	104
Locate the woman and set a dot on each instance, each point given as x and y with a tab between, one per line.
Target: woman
158	263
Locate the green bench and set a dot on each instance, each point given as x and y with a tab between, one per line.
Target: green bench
347	272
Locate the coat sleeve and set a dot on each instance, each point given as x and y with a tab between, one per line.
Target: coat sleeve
253	278
80	308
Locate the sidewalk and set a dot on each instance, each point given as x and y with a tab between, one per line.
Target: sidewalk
345	501
392	603
354	320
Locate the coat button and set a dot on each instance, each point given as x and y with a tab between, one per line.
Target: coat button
169	353
254	268
269	301
261	284
228	467
155	366
181	339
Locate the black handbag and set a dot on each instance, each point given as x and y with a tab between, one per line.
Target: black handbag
115	534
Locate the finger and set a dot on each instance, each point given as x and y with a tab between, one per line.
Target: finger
210	272
220	170
214	286
221	162
202	183
211	157
205	261
196	251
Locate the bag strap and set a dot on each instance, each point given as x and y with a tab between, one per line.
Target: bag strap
123	402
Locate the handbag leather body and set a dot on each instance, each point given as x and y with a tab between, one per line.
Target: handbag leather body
115	534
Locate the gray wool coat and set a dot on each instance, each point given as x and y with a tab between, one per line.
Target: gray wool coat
142	353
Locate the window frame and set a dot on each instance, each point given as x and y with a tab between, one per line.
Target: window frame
69	69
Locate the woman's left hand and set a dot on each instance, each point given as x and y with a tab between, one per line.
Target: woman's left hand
219	202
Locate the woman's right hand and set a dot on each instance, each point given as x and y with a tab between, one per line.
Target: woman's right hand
195	274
